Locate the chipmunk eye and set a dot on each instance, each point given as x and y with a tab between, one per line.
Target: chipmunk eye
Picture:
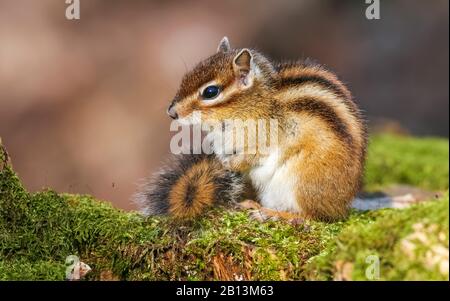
210	92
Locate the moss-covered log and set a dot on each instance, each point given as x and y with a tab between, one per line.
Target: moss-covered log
39	230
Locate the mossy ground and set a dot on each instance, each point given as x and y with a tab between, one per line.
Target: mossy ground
38	231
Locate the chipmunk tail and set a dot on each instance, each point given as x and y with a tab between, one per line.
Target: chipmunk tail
187	185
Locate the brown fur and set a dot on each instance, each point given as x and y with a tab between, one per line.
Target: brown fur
325	154
188	200
187	185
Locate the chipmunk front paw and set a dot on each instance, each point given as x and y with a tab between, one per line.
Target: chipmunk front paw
249	204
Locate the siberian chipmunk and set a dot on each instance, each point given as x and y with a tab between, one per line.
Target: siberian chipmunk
316	167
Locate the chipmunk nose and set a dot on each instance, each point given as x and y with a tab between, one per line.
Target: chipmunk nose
172	112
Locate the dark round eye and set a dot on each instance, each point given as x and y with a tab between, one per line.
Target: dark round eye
210	92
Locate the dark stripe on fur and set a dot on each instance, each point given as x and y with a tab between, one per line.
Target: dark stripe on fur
326	113
190	193
314	79
323	82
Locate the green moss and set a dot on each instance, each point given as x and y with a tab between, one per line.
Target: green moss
410	244
397	159
25	270
38	231
271	250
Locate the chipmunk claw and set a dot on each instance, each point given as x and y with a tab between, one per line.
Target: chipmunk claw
259	215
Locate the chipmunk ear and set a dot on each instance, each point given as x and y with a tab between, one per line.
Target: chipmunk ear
242	66
224	45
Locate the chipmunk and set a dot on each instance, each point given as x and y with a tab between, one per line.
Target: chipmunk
313	172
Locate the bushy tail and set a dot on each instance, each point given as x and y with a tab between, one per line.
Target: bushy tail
188	185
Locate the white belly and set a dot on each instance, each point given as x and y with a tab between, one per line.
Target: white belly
275	184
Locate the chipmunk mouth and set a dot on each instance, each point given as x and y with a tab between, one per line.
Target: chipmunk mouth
172	112
191	119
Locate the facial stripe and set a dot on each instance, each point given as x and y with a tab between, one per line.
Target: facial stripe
218	65
194	101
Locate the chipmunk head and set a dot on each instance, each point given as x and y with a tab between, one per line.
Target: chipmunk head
228	85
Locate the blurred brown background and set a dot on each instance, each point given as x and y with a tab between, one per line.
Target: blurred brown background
82	103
